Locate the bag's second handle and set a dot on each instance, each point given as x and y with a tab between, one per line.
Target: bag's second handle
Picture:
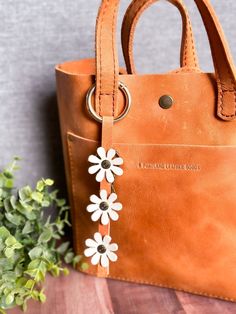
188	55
107	67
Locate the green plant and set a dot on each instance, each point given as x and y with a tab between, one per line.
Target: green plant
30	240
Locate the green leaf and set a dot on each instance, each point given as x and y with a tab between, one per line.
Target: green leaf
49	182
45	203
21	282
76	260
61	202
9	183
4	233
25	193
30	284
45	236
7	205
10	241
28	228
31	272
55	271
35	295
66	271
37	196
13	201
63	248
69	257
7	174
9	252
35	253
84	266
42	297
40	185
34	264
19	301
17	246
9	299
13	218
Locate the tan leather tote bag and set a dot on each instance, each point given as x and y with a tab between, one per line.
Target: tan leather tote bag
151	160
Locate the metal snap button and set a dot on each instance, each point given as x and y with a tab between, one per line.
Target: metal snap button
104	206
106	164
166	101
101	249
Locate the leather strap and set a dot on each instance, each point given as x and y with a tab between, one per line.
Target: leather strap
107	69
223	62
107	126
188	55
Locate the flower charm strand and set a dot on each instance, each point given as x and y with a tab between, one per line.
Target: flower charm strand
105	165
101	250
104	207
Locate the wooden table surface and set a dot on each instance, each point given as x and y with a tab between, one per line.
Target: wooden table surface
84	294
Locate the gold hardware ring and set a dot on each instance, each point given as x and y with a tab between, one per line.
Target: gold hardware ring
96	116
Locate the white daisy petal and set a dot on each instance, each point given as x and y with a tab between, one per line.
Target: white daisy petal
101	152
96	215
112	256
100	175
89	252
104	260
98	237
117	161
116	206
109	176
112	198
107	170
91	243
103	195
93	169
95	259
114	216
117	170
94	199
92	207
112	247
106	239
94	159
111	154
105	218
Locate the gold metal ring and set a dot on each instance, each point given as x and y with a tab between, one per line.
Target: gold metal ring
96	116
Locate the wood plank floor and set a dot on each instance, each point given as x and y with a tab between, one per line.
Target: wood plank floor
84	294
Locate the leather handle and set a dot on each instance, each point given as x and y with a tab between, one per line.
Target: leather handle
107	69
188	55
223	62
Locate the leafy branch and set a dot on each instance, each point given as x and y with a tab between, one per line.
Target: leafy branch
30	240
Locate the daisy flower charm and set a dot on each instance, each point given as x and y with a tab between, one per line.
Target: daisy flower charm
101	250
106	165
104	207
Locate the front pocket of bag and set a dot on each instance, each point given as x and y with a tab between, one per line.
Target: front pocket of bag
178	201
179	218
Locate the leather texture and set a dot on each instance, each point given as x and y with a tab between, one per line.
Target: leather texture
177	228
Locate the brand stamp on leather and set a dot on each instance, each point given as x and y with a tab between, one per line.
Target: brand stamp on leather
170	166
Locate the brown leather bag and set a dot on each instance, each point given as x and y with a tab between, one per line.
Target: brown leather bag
160	147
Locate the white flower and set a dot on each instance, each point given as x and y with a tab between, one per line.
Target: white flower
104	207
101	250
105	165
